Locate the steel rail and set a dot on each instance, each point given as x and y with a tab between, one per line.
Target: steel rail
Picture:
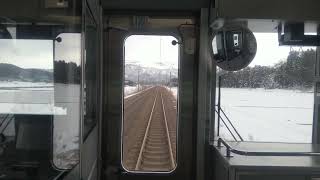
172	162
229	149
137	167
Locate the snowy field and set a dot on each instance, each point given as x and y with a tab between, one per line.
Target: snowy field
18	84
128	90
269	115
62	101
174	91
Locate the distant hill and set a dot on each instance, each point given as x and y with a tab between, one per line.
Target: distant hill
10	72
149	75
71	73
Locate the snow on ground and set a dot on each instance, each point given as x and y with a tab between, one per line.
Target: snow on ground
133	90
130	90
174	91
258	114
144	88
19	84
269	115
66	127
28	98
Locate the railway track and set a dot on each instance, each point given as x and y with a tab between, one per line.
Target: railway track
132	100
156	153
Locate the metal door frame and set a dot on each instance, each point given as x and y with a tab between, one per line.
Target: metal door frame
89	146
113	107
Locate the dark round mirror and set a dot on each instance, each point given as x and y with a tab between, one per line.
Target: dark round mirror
233	47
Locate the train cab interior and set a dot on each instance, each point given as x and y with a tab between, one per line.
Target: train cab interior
137	89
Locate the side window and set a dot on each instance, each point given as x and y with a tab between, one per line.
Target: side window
90	93
67	78
150	99
40	102
40	89
26	95
272	99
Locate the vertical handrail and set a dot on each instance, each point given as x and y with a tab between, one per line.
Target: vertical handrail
220	118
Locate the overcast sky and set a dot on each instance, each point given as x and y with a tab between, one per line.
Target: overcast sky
154	51
39	53
26	53
268	51
145	50
139	49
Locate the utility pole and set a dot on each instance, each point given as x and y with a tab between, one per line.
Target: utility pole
138	79
167	79
170	81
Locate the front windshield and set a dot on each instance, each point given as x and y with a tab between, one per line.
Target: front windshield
271	100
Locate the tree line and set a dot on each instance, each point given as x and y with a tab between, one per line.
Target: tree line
297	71
66	73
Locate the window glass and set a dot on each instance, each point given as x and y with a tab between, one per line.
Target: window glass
150	103
272	99
67	77
40	79
26	101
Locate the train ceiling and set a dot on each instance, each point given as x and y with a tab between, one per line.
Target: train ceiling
156	5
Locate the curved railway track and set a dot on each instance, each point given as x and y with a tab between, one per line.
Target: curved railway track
153	150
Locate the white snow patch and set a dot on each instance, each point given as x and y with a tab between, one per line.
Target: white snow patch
174	91
62	101
145	88
40	109
21	84
130	90
269	115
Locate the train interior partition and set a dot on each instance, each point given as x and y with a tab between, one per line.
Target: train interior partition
106	89
37	107
42	87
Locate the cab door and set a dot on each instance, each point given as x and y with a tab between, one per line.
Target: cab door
112	125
